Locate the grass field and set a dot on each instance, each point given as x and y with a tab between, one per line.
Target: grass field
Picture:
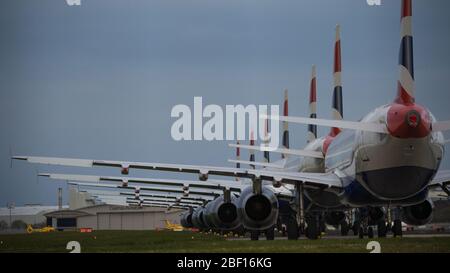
169	241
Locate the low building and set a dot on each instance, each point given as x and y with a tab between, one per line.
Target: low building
112	217
30	214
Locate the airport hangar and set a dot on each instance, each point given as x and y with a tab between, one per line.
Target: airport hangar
84	212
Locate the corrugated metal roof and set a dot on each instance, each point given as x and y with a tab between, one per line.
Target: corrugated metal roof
28	210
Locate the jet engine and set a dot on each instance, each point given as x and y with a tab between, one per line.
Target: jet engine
197	218
137	193
258	211
186	219
419	214
222	215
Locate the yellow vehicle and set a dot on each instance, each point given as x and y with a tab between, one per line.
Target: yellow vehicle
30	229
172	226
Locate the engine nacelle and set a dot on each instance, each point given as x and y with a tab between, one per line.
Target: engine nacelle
203	176
125	169
137	193
419	214
276	183
222	215
258	211
186	220
207	224
334	218
197	218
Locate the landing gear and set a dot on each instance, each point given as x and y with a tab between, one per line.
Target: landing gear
355	227
370	232
322	225
313	229
300	221
344	228
397	228
254	235
361	232
270	234
300	209
292	229
382	229
363	222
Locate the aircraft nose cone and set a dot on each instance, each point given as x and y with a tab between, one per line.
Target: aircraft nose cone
408	121
413	119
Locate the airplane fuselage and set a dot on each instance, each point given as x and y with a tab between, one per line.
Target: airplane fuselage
382	169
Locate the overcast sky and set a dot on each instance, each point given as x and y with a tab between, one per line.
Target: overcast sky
99	80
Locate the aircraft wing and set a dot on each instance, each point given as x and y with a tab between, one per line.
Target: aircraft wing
344	124
211	193
146	198
314	180
304	153
440	126
442	180
210	184
318	180
123	194
125	165
259	164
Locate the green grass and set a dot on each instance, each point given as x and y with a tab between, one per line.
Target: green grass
169	241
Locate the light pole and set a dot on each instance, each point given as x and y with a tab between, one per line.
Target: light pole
10	206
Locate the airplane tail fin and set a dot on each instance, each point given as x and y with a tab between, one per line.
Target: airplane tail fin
405	91
337	104
285	124
312	129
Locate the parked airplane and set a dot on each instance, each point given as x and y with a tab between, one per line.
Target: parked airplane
317	201
356	168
